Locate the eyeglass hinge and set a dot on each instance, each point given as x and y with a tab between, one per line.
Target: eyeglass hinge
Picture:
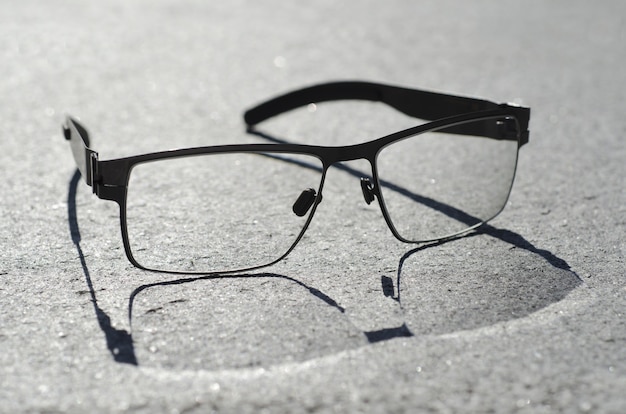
96	178
524	137
523	115
101	186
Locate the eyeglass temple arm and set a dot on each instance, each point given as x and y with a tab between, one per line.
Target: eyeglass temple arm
416	103
85	158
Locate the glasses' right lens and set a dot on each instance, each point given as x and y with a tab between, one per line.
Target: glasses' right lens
441	183
218	212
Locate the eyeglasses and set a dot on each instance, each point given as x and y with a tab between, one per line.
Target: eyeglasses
231	208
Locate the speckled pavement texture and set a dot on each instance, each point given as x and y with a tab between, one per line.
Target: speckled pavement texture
526	315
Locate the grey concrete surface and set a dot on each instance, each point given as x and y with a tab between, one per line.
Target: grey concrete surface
525	316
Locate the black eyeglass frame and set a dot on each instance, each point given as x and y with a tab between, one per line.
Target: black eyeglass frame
109	178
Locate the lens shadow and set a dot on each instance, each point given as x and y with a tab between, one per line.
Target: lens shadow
227	322
497	276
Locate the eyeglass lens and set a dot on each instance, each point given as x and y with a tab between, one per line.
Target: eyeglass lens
438	184
219	212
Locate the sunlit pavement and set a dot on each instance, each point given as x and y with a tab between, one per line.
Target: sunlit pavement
525	315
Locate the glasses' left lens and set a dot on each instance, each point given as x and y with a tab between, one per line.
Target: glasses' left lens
443	182
221	211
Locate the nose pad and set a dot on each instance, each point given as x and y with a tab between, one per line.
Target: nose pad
304	202
368	190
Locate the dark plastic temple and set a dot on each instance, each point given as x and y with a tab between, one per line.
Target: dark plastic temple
78	137
415	103
412	102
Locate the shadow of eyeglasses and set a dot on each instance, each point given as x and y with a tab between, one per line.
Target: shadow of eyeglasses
119	341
